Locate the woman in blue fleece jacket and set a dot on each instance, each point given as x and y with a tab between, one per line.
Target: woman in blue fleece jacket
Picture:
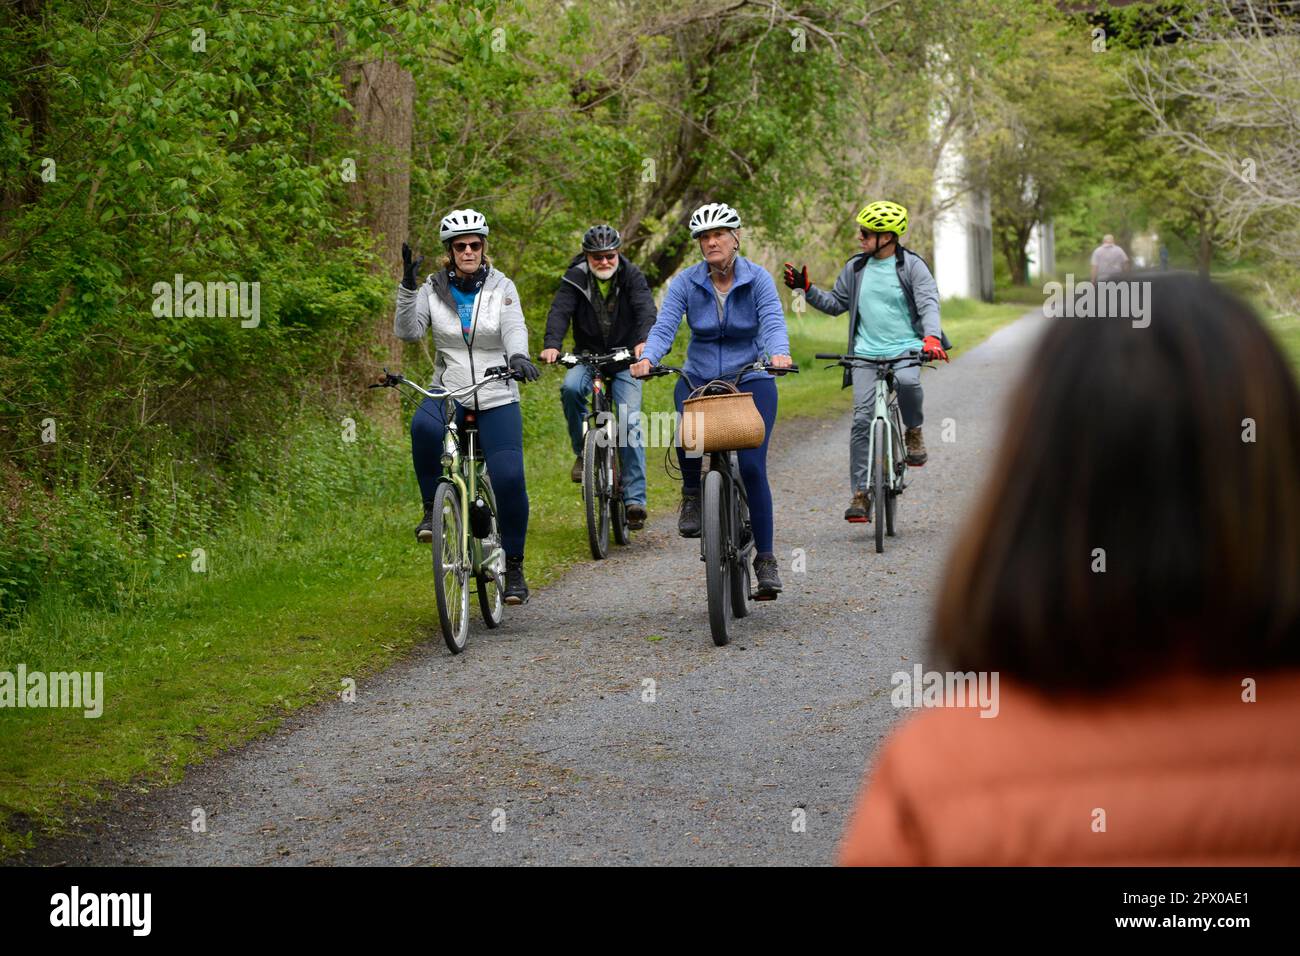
735	316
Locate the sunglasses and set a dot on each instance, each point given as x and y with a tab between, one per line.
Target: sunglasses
474	246
603	256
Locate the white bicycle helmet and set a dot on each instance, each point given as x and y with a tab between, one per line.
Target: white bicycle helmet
713	215
462	222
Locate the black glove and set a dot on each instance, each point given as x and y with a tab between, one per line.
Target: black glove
525	369
797	279
410	269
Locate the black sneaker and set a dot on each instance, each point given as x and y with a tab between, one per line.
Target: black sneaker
769	582
635	517
424	530
516	590
688	522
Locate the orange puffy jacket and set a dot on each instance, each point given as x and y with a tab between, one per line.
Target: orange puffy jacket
1175	771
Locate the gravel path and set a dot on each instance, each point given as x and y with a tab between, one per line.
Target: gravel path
543	729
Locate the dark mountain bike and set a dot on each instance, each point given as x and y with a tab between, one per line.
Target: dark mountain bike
602	479
726	538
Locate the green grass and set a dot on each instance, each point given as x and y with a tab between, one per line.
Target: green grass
297	599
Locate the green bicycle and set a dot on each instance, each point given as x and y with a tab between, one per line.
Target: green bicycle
467	540
886	453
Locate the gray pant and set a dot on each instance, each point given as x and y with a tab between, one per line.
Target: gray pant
907	382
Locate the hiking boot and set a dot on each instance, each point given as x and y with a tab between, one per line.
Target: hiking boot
635	517
575	473
916	456
688	522
516	591
769	582
859	509
424	530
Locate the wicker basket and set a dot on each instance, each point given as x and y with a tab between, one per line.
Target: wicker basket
724	422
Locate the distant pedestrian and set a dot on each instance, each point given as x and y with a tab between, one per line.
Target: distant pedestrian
1131	573
1108	260
1164	258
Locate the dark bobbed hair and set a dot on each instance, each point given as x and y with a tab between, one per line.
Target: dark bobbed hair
1131	440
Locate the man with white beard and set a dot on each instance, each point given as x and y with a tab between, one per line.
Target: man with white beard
608	302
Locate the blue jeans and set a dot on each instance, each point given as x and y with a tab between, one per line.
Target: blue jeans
752	462
626	394
501	438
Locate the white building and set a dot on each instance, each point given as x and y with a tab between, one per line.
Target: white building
963	229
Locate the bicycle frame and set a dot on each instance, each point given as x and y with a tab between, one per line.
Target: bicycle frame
884	409
737	509
464	473
601	399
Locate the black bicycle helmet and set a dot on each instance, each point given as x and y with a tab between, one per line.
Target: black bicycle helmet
601	238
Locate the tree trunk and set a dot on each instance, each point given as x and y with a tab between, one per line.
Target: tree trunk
382	96
31	109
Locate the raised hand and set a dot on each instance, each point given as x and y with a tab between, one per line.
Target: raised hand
410	269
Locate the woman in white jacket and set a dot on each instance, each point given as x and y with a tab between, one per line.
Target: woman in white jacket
472	313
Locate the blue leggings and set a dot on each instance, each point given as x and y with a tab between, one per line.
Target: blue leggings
752	461
501	435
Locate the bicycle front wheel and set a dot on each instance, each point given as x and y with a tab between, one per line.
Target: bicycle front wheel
450	567
717	567
594	494
878	489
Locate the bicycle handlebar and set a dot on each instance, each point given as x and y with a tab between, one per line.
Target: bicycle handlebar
592	359
848	361
496	373
659	370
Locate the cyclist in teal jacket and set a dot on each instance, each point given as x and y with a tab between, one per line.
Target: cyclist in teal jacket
893	305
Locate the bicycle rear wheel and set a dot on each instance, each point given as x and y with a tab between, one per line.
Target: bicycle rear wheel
716	568
491	583
617	509
450	573
594	496
899	452
740	567
879	491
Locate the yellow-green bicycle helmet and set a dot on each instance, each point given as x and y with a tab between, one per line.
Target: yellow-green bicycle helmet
883	216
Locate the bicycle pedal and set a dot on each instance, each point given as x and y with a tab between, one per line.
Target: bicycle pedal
856	520
759	596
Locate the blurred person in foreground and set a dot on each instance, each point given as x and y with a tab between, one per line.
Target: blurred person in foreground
1149	713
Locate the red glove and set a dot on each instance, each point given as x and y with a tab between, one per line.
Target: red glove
930	348
797	280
